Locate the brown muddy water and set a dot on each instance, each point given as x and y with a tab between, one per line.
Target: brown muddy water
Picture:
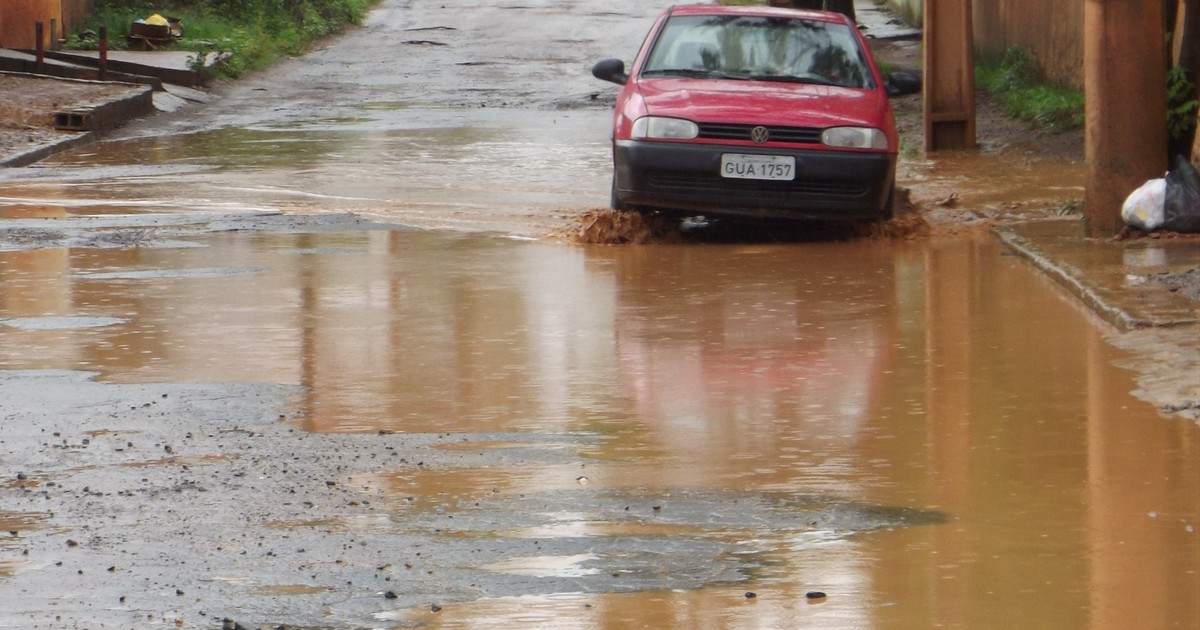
940	385
517	173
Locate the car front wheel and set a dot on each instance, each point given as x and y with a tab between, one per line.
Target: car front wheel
889	207
613	200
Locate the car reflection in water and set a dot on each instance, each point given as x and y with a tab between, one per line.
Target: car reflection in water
755	353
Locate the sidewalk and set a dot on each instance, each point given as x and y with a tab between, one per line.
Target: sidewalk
1131	284
65	105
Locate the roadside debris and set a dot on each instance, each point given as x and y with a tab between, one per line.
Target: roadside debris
155	31
1143	207
1169	203
1181	206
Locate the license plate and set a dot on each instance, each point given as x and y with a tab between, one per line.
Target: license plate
743	166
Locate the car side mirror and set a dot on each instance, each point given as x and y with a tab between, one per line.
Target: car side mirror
611	70
903	83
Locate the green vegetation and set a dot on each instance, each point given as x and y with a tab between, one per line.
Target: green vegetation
1019	87
249	33
1181	103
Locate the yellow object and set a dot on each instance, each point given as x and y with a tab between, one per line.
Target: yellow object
156	20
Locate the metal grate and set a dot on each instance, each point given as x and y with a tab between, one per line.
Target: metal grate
794	135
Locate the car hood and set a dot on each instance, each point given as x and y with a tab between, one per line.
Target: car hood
763	103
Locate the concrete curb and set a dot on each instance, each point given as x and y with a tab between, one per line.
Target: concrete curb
1070	279
46	150
114	113
161	76
1103	291
102	118
24	64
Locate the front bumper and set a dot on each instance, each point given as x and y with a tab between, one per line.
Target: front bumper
829	184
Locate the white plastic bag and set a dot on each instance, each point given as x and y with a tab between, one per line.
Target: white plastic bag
1143	208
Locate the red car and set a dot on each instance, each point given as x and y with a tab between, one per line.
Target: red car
753	111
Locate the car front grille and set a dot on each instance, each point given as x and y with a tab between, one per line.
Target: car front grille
756	189
794	135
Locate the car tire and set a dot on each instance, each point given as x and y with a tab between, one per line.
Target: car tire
614	201
889	207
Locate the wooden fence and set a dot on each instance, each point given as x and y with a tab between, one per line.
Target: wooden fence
1050	30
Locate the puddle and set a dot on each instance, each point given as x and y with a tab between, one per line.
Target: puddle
1013	185
289	590
13	525
719	607
438	175
325	524
888	422
557	610
183	461
449	488
61	323
547	566
9	568
31	211
199	272
580	525
387	105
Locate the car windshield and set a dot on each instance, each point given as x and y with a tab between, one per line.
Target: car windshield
759	49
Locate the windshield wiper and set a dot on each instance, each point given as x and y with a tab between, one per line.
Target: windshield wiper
783	78
691	73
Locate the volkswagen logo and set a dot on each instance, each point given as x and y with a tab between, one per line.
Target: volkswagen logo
760	134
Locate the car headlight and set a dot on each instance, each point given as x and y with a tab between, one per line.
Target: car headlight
854	138
660	128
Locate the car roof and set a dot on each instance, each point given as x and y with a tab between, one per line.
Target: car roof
757	11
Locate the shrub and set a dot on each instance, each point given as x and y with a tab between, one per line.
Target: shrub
253	33
1024	93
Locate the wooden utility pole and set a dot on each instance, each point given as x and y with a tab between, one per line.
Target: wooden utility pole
949	91
1125	141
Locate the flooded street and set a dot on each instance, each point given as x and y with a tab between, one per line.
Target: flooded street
581	411
216	412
